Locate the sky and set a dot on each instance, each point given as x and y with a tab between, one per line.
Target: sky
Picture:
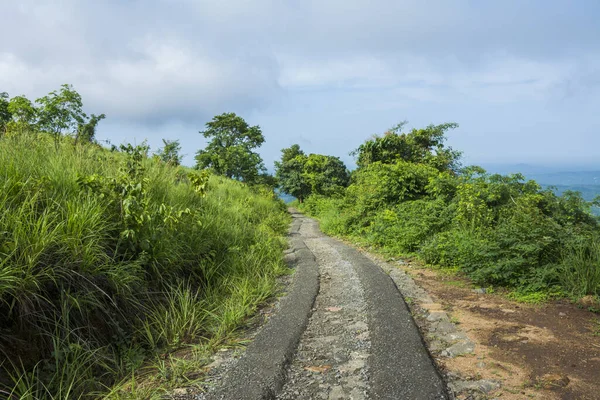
521	78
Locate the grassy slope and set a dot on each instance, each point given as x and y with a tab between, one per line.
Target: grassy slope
107	260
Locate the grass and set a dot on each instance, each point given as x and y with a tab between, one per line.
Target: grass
580	269
109	259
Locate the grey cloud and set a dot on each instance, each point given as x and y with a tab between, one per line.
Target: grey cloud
155	61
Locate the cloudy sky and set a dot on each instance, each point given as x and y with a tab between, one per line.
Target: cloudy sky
522	78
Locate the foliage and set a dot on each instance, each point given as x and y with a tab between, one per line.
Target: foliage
60	111
230	151
108	259
290	173
24	115
170	152
326	175
301	175
424	146
380	185
5	115
580	268
409	197
86	130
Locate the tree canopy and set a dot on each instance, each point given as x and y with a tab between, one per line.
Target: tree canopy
418	146
230	151
301	175
58	113
61	111
170	152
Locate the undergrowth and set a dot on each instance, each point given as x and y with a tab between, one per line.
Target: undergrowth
109	259
408	197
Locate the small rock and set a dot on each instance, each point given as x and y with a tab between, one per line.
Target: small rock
290	258
481	364
459	349
482	386
445	327
437	316
562	314
180	392
479	290
337	393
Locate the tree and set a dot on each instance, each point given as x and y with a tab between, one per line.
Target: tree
61	111
23	113
418	146
300	175
326	175
5	115
291	178
169	153
230	150
86	131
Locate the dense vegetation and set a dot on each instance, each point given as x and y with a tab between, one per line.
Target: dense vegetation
410	196
111	260
301	176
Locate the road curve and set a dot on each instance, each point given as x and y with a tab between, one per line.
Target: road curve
357	340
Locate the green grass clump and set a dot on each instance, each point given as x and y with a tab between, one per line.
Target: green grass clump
108	258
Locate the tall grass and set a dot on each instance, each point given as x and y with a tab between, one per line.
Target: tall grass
580	269
107	258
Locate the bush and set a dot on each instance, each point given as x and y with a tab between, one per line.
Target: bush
379	186
404	228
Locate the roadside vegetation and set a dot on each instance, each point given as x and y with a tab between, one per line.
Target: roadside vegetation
410	196
120	270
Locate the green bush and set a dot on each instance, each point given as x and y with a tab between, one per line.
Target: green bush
378	185
404	228
497	229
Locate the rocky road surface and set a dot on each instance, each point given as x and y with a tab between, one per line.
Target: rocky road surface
342	332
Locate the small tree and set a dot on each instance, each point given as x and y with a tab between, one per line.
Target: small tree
230	151
23	114
169	153
5	115
86	131
61	111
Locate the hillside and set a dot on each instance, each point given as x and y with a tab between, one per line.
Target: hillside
111	260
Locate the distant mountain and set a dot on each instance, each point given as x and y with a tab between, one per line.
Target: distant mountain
533	169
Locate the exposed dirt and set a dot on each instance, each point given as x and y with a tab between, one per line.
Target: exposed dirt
549	351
